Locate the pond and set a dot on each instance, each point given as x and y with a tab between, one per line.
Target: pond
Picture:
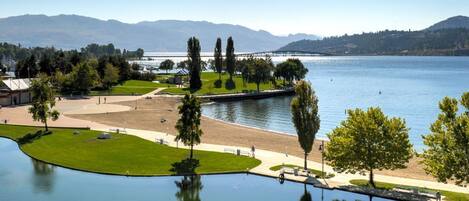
25	179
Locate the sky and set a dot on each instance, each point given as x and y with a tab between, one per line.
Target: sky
280	17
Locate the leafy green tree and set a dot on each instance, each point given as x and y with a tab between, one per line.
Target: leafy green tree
183	65
305	117
27	67
111	76
45	65
230	57
447	155
84	76
289	70
218	58
188	125
167	65
368	141
140	53
260	71
43	100
193	54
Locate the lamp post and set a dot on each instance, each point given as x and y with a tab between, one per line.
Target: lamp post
321	149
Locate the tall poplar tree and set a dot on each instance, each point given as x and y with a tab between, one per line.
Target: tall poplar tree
305	116
218	58
230	57
193	56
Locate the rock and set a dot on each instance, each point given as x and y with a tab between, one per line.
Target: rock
104	136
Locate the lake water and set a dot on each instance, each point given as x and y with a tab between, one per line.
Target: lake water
410	87
24	179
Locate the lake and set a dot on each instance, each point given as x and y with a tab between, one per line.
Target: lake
25	179
406	87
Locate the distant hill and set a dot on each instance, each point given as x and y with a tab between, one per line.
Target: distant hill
451	23
448	37
73	31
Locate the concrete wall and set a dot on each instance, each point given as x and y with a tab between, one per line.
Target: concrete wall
16	98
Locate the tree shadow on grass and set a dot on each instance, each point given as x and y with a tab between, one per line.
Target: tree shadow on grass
230	84
30	137
185	167
217	83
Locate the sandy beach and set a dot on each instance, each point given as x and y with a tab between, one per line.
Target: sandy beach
160	114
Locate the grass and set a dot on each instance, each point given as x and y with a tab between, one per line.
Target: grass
122	154
315	172
450	196
210	85
132	87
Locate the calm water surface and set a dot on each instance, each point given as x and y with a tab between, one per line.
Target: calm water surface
23	179
410	87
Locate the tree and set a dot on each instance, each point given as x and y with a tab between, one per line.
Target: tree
167	65
111	76
183	65
193	55
139	53
368	141
305	117
188	125
84	76
447	155
291	69
260	71
43	100
45	65
230	57
218	58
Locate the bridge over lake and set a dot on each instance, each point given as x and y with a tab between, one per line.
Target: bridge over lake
276	53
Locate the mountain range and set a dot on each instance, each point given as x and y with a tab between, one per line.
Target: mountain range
448	37
73	31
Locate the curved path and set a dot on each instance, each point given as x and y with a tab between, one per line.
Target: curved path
19	115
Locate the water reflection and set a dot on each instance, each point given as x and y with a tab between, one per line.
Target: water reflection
189	188
43	176
306	195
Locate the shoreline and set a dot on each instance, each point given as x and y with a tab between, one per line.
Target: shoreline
260	129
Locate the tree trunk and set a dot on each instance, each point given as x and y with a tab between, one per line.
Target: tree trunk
190	157
258	90
306	161
45	123
372	181
219	76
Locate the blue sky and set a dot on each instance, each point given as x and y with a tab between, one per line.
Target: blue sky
281	17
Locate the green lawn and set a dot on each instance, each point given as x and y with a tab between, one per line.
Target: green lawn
450	196
131	87
315	172
123	154
209	85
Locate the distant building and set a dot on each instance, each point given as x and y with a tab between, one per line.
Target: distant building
15	92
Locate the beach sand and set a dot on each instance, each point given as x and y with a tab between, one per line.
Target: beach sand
151	112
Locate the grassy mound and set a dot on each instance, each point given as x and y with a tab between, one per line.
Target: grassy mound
212	85
122	154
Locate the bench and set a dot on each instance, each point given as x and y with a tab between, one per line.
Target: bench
161	141
118	130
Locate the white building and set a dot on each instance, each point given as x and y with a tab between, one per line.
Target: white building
15	92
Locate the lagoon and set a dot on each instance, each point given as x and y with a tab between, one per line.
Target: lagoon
406	87
25	179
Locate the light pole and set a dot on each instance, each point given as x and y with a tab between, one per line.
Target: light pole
321	149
